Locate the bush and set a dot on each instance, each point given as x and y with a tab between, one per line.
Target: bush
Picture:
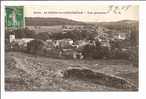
74	35
117	51
119	54
21	33
7	45
42	36
95	52
35	46
133	57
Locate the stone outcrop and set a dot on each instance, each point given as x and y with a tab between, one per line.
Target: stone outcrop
98	78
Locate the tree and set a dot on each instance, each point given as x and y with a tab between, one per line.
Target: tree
35	46
42	36
24	33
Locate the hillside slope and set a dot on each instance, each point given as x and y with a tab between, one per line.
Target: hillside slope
29	21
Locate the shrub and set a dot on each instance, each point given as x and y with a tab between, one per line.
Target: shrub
7	45
35	46
42	36
95	52
20	33
133	57
119	54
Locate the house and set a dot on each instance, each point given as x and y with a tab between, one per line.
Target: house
72	27
21	42
63	43
11	38
105	44
40	29
121	35
101	29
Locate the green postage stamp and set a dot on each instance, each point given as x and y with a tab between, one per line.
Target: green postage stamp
14	17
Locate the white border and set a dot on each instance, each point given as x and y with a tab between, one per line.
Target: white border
16	3
74	95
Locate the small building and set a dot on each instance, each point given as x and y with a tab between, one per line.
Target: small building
49	29
121	35
21	42
11	38
72	27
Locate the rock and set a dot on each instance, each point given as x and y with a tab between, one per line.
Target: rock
92	76
59	74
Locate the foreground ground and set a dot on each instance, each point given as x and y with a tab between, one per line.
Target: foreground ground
25	72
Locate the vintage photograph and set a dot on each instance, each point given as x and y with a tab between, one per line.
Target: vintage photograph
67	48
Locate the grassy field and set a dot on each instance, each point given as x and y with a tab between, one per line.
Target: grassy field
25	72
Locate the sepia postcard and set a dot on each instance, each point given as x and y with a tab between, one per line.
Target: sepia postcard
67	48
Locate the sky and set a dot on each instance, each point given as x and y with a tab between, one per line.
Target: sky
85	13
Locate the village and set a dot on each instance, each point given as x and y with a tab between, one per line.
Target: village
70	57
66	44
66	64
